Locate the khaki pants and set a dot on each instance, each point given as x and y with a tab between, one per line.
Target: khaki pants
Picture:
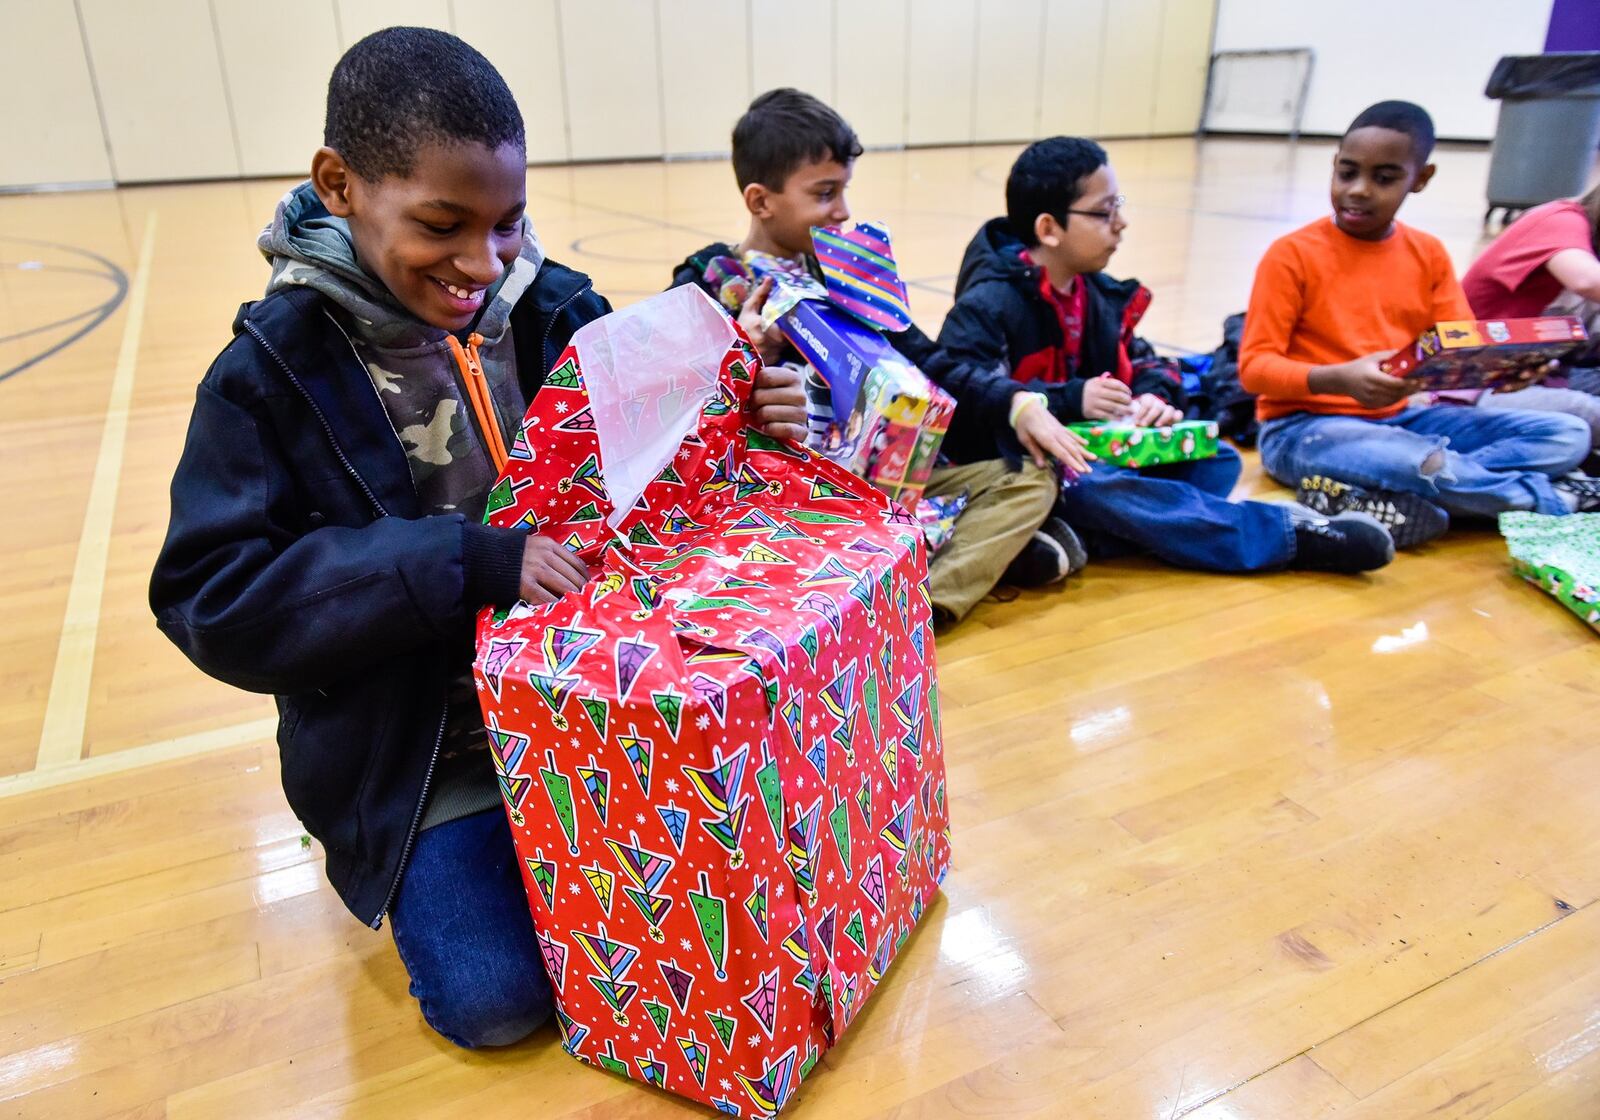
1004	508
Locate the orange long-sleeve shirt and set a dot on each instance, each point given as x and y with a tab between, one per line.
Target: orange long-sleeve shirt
1322	297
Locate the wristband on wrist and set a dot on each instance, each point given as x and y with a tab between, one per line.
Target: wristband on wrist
1021	401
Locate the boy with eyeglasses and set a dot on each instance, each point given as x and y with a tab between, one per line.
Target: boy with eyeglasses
1036	312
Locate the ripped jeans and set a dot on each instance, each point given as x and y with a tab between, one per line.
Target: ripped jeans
1487	461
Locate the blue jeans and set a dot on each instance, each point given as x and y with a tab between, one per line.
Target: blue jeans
463	930
1179	513
1490	461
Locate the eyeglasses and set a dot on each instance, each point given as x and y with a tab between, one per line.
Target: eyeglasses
1108	215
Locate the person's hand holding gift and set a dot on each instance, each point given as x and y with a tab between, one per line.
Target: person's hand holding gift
1150	411
549	571
1045	438
778	403
768	341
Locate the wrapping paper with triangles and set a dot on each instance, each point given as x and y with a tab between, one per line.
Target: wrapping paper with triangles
722	761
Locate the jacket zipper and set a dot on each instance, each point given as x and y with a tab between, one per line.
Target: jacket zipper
327	429
549	325
416	818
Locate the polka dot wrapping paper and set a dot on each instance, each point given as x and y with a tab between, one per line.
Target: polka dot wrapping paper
722	761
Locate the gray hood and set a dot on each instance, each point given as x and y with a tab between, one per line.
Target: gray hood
307	245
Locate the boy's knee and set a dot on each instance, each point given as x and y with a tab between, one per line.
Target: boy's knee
1037	489
492	1016
1434	463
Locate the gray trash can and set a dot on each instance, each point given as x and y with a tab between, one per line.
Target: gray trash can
1549	128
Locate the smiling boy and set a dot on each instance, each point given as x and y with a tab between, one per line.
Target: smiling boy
1330	302
326	542
1036	316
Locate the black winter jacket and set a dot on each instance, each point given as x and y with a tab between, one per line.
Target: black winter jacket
297	563
977	416
1002	335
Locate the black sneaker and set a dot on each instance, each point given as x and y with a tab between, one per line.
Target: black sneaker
1410	520
1052	554
1582	490
1347	542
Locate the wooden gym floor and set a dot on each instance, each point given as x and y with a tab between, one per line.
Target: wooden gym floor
1226	848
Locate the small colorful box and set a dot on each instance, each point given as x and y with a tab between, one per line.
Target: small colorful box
1486	353
1560	556
1128	445
870	410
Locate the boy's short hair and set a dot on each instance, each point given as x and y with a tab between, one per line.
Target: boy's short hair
1047	179
1400	116
403	87
783	130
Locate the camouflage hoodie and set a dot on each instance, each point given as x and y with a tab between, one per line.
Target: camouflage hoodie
411	363
417	378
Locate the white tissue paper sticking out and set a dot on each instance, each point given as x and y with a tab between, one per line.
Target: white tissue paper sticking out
649	369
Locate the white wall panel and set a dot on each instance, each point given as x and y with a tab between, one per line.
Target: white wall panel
1069	99
940	68
523	40
161	89
612	77
277	60
1006	93
1181	71
870	42
792	43
705	72
1128	68
360	18
52	127
1437	53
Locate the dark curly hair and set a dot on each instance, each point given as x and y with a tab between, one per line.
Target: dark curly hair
403	87
1048	178
784	129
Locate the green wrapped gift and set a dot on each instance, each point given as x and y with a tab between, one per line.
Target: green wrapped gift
1561	555
1127	445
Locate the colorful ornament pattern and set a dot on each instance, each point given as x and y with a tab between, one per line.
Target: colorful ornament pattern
731	730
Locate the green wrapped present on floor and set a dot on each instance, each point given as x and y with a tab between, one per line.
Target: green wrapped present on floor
1560	555
1127	445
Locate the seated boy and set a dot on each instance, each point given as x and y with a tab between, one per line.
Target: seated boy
1333	299
1035	313
326	542
793	157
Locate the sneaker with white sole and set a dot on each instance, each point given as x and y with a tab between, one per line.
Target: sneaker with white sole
1410	520
1052	554
1581	491
1347	542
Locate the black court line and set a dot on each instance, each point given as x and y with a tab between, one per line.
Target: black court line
94	315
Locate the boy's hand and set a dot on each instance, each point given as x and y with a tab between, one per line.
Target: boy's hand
549	571
779	403
1045	438
1106	398
1150	411
1362	379
768	341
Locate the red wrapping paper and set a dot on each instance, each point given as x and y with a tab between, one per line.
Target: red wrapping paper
722	761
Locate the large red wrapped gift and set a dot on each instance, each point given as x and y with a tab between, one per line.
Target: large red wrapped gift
722	761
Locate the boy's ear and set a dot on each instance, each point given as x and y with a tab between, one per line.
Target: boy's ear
1423	177
757	200
330	178
1047	231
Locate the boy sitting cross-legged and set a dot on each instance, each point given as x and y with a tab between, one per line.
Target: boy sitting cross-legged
1036	314
793	158
326	542
1330	302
